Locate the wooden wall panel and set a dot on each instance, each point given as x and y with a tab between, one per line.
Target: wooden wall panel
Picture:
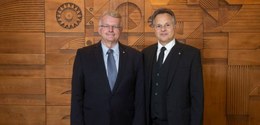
244	41
212	53
22	99
22	15
243	1
244	57
215	41
215	94
58	115
22	86
254	74
23	59
198	43
64	42
14	71
254	95
22	43
22	115
22	91
57	71
246	20
58	91
22	62
238	95
254	109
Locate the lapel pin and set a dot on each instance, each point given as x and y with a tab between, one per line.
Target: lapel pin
179	53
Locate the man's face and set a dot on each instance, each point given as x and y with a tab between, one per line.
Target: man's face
109	29
164	28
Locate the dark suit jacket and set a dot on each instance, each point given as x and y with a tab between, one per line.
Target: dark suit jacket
184	84
93	103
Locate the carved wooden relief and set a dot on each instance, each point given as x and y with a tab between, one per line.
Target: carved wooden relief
64	16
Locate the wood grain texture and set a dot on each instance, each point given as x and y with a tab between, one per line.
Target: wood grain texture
15	71
244	41
22	59
237	90
58	91
22	99
244	57
246	20
58	115
215	41
254	109
22	15
22	86
22	43
58	71
22	115
215	82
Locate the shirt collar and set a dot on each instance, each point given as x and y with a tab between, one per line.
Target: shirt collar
168	46
114	48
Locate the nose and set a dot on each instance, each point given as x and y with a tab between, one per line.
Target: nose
163	28
111	28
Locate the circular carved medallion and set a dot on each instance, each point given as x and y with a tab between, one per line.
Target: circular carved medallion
69	15
133	16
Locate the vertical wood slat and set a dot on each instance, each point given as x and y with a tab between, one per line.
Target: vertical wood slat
238	90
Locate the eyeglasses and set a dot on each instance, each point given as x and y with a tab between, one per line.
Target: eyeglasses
107	27
165	26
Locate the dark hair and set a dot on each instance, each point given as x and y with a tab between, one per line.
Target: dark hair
161	11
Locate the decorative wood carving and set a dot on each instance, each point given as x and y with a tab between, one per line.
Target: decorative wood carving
69	15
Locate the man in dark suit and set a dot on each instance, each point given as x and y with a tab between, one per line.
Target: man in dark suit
173	76
107	81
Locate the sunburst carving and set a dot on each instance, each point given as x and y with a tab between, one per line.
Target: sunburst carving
69	15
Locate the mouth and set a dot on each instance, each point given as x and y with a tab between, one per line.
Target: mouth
164	34
110	34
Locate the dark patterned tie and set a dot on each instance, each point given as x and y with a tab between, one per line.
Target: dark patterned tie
160	58
111	69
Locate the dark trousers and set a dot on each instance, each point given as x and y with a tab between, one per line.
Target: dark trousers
159	122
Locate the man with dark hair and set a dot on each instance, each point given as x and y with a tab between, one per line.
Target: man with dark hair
107	81
173	76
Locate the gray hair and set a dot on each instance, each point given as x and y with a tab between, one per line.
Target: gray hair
111	13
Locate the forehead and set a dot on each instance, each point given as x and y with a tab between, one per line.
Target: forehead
163	18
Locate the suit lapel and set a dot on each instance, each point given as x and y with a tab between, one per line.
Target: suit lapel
101	67
122	63
174	57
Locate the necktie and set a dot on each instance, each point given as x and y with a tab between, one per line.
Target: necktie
161	56
111	69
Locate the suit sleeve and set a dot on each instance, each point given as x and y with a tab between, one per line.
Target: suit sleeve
196	90
77	92
139	116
